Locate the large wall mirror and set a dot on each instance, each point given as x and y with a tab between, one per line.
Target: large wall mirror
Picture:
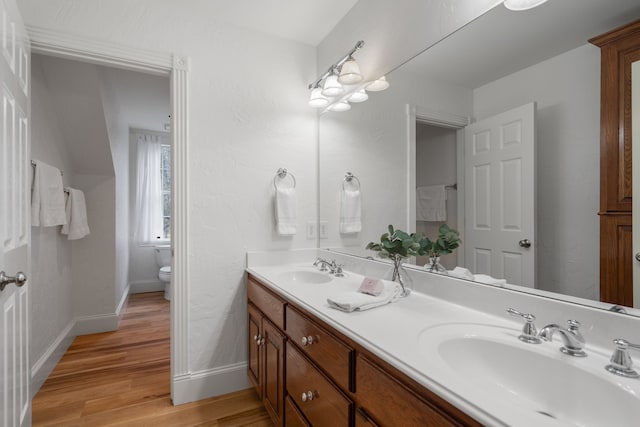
530	79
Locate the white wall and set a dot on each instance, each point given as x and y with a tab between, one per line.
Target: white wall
371	141
248	117
567	91
436	164
51	260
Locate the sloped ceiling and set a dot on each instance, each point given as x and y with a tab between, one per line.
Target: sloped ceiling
84	93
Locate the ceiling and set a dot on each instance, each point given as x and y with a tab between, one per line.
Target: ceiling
502	42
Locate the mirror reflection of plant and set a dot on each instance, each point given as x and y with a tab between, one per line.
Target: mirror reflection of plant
448	240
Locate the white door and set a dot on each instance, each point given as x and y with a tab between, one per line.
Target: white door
15	405
499	159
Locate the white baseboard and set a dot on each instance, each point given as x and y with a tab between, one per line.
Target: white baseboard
146	286
41	370
96	324
209	383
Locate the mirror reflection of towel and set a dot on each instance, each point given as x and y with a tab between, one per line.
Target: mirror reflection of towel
350	212
431	203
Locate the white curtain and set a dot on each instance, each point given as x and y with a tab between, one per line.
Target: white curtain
149	190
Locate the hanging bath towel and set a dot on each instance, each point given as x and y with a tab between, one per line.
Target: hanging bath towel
431	203
77	226
286	217
47	198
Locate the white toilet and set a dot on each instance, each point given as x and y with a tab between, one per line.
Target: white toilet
163	260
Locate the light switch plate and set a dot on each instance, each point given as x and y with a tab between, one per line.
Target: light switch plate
311	230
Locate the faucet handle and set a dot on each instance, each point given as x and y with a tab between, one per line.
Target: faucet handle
621	363
339	272
529	332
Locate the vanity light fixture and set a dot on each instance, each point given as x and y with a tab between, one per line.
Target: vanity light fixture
378	85
340	106
328	90
359	96
350	72
519	5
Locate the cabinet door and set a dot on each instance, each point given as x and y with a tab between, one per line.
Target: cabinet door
273	370
293	417
363	420
255	335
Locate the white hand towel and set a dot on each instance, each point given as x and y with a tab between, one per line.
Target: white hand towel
461	273
350	211
488	280
431	203
76	212
352	301
47	198
286	218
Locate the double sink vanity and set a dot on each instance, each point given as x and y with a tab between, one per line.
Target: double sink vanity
448	354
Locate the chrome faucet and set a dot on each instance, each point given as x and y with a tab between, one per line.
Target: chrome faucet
571	337
334	268
323	263
621	363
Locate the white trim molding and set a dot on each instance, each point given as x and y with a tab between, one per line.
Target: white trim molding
56	43
211	382
43	367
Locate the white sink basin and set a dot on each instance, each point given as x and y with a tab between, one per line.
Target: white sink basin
305	276
491	364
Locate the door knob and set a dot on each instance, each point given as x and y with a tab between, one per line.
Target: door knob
20	279
524	243
638	256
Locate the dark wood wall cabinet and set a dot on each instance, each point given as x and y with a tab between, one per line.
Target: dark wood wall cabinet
309	374
619	49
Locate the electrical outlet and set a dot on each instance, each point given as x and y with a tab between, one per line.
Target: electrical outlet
324	229
311	230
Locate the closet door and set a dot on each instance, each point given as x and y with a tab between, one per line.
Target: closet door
15	405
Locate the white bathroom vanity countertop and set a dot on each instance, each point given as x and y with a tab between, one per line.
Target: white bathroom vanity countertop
393	332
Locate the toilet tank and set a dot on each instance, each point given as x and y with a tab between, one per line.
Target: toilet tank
163	255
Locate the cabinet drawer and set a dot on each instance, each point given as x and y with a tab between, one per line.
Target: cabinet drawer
271	305
328	406
293	417
324	349
390	403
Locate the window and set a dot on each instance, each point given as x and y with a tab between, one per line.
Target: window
165	173
153	195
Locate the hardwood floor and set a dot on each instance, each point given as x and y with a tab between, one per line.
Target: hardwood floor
121	378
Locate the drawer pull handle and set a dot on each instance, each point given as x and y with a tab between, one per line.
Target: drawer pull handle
308	396
261	341
256	338
307	340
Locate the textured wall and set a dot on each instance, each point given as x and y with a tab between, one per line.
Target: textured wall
248	117
567	91
51	282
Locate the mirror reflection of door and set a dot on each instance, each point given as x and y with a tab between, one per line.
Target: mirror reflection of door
499	203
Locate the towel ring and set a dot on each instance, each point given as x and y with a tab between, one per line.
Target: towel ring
349	177
282	173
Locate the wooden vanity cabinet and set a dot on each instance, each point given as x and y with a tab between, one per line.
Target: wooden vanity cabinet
619	49
309	374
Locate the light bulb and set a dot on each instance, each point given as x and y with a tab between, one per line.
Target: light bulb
350	73
317	99
378	85
359	96
331	86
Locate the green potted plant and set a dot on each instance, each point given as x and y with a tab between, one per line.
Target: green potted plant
398	245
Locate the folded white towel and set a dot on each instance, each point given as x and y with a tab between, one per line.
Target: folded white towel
461	273
350	211
431	203
488	280
352	300
76	212
47	198
286	219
